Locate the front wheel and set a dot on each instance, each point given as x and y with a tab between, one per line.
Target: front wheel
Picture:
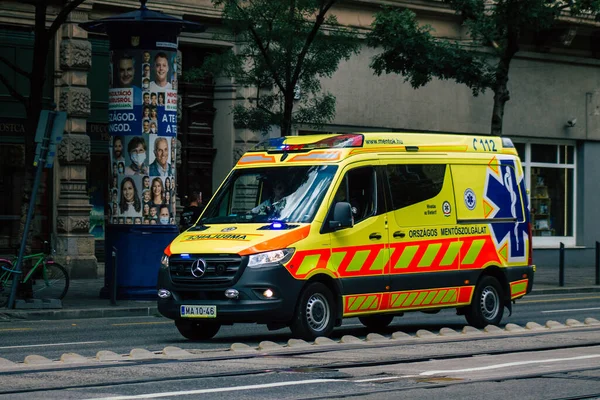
50	281
486	307
197	330
315	313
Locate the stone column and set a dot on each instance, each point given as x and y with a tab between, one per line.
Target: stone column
75	245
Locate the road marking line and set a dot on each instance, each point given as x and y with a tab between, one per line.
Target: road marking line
218	390
554	300
15	329
387	378
143	323
572	309
48	344
510	364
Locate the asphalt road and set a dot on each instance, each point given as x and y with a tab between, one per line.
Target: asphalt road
86	337
558	364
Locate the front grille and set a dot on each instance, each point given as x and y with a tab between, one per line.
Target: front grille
220	268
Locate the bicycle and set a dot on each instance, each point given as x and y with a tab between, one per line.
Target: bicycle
45	280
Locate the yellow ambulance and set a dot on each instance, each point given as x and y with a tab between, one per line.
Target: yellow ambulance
308	230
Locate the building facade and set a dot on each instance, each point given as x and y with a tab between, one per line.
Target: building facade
553	117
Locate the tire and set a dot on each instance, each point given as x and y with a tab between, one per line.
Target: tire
376	321
56	284
487	306
6	282
315	313
197	330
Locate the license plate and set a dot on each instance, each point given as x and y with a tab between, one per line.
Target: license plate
198	311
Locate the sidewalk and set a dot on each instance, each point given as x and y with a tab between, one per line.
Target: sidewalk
83	299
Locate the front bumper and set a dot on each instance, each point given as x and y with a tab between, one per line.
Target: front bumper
250	306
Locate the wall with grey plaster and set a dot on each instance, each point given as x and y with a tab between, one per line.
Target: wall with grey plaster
545	93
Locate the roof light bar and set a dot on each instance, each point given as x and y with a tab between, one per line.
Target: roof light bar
278	145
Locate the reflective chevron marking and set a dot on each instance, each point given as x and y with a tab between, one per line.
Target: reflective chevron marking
336	260
407	300
518	288
451	253
398	299
432	251
423	256
439	296
473	252
308	263
361	303
383	256
410	299
358	261
407	256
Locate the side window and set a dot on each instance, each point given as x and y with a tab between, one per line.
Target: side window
359	189
414	183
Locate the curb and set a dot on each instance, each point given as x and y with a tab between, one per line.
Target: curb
80	313
570	290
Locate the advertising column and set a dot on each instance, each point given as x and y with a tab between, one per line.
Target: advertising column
142	128
142	112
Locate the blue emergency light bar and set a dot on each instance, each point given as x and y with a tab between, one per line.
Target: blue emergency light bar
280	145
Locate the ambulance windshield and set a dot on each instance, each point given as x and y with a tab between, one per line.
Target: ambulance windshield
257	195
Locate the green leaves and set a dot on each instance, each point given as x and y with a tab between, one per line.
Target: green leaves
281	44
495	28
413	52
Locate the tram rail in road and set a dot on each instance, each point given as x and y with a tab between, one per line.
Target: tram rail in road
332	368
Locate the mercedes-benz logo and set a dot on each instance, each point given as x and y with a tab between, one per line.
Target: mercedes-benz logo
198	268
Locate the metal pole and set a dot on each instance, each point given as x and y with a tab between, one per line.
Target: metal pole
113	289
561	265
36	184
597	263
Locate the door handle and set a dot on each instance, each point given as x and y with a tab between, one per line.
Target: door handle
399	234
375	235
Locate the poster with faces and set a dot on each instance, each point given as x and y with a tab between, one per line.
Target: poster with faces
143	128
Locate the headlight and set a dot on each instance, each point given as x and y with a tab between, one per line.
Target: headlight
164	261
270	257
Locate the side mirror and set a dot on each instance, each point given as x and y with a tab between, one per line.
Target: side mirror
342	216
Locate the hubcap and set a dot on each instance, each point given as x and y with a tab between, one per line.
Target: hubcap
490	304
317	312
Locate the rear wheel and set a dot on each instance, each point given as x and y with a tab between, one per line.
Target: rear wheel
51	281
315	313
487	306
376	321
197	330
6	281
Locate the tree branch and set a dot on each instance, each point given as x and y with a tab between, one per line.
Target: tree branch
263	51
12	91
62	16
310	38
15	67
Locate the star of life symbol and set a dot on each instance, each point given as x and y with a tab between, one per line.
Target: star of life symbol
470	199
503	189
446	208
